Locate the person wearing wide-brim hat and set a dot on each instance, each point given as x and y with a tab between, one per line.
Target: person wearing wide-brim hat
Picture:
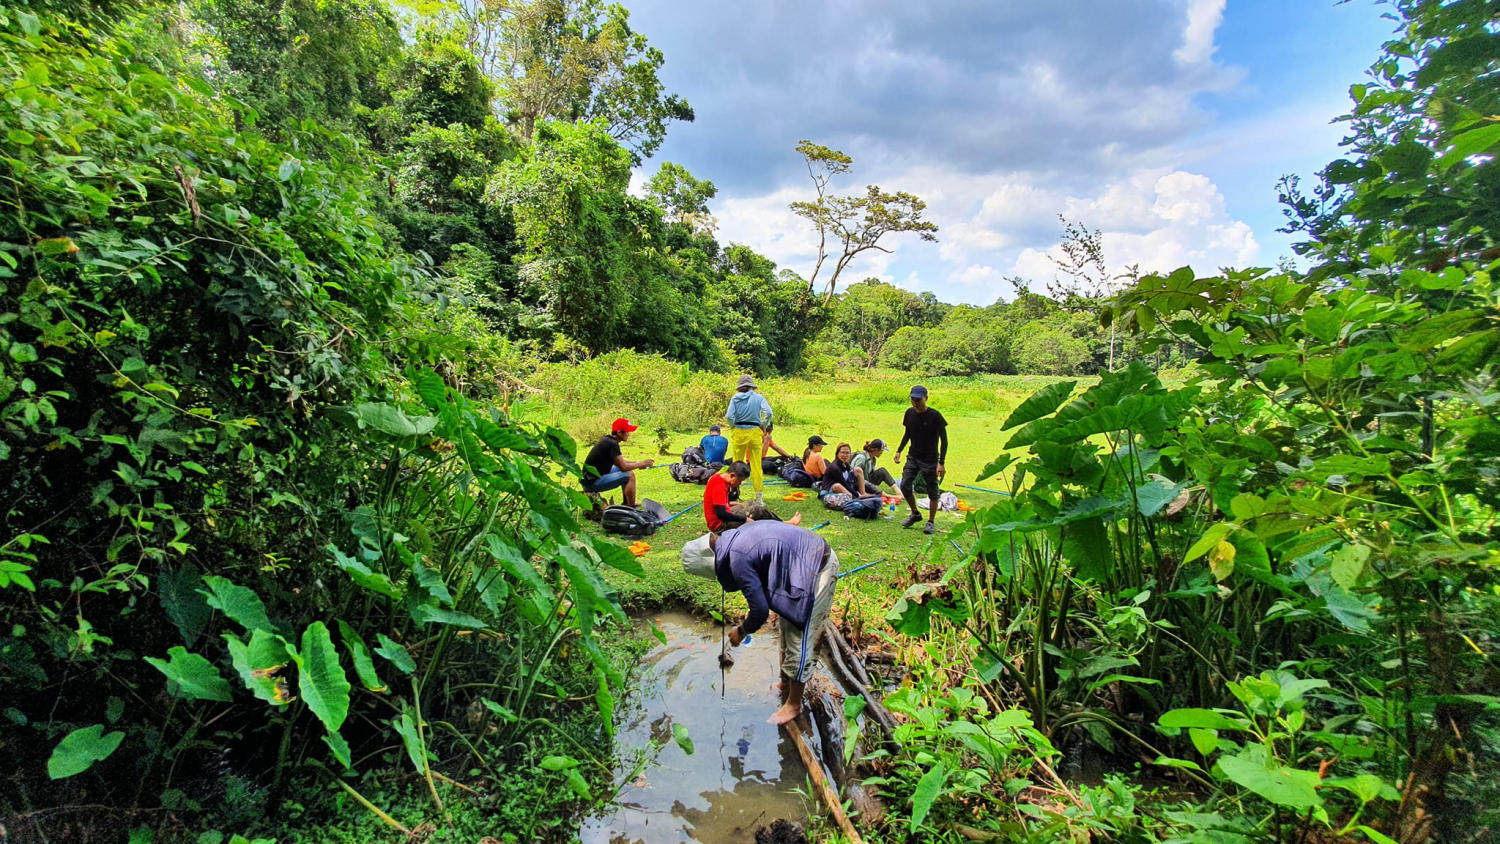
750	417
777	566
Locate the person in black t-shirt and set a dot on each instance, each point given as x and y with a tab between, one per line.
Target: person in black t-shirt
606	469
927	431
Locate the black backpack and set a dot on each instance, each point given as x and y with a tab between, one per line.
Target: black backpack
693	456
773	465
863	508
686	473
793	473
628	521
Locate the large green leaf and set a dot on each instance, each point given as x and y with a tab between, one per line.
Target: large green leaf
616	556
1279	784
191	676
433	614
260	664
1041	403
391	420
994	467
340	749
393	651
240	604
538	591
362	575
364	664
80	749
411	738
928	789
320	679
178	591
587	588
1206	719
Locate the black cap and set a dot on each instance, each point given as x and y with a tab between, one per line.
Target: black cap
816	440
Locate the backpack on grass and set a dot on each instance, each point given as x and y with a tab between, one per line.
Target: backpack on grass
863	508
686	473
693	456
795	475
631	521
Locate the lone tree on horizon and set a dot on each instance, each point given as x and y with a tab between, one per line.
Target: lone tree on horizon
857	222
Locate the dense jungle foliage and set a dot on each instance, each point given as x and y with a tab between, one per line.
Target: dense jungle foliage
285	281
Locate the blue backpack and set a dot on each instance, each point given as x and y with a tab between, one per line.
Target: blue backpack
863	508
795	475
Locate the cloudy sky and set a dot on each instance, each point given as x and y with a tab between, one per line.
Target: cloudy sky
1164	123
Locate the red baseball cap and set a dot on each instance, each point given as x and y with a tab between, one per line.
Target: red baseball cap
622	424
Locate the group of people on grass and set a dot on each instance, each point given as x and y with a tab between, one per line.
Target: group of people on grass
780	566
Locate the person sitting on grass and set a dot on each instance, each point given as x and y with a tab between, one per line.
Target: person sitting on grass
777	566
840	477
874	475
720	515
812	457
606	469
714	445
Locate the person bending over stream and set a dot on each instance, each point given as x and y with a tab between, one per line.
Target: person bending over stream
782	567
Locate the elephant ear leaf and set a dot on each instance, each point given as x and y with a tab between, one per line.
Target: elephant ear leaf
320	679
80	749
191	676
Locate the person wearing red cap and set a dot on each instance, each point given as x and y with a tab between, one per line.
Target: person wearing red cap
606	469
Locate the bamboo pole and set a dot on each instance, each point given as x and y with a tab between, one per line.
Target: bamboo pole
820	783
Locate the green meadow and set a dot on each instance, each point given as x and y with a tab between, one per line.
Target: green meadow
852	411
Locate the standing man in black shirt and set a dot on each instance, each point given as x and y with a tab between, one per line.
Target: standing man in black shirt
927	431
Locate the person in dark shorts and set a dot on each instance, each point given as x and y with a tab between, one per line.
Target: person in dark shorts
927	431
606	469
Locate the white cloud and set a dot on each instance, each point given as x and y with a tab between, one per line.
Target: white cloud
1203	19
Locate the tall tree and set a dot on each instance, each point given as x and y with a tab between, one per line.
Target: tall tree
856	222
574	60
683	196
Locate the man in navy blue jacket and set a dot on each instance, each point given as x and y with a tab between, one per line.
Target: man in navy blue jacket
781	567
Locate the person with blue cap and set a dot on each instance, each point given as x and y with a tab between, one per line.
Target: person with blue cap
927	431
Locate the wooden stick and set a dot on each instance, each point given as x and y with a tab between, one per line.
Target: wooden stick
820	783
836	637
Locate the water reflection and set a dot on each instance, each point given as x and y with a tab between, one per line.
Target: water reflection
741	776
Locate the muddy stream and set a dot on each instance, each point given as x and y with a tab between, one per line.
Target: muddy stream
741	775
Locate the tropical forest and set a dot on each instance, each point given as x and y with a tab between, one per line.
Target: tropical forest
366	371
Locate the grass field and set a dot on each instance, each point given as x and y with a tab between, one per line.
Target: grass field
852	412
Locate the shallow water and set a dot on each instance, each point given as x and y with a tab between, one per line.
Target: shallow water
742	773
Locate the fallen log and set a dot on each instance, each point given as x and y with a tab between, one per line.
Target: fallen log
828	716
874	709
820	783
836	639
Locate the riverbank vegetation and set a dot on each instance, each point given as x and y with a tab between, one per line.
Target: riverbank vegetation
308	306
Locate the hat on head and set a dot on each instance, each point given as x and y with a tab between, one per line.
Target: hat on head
698	557
622	425
747	382
877	444
919	392
816	440
714	428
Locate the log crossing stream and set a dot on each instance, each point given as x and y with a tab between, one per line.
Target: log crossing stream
743	773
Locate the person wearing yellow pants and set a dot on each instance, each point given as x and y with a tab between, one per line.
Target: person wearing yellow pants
749	416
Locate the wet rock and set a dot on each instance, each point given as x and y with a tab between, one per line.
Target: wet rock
781	831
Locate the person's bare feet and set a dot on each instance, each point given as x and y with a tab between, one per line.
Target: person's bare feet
786	713
796	519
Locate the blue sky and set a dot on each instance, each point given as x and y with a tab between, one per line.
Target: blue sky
1164	123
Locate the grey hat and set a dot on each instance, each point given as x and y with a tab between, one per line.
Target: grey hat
746	383
698	557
